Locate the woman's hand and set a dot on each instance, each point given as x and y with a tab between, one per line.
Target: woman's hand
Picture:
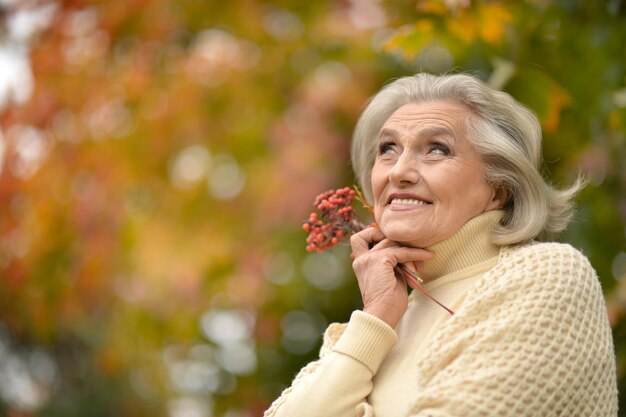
384	294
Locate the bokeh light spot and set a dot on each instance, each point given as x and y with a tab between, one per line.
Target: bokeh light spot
323	270
283	25
227	179
31	149
237	358
301	331
618	267
190	407
278	268
227	326
189	167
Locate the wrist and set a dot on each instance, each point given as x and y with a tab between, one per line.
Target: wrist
389	315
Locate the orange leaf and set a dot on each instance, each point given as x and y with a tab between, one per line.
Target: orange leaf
493	19
558	98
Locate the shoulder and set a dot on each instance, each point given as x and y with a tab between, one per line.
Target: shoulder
546	271
551	258
541	251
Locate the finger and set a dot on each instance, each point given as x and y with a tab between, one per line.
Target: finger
386	243
362	241
412	266
390	257
405	255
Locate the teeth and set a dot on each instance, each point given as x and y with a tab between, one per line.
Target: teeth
408	201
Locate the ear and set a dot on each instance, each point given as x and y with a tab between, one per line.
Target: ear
499	198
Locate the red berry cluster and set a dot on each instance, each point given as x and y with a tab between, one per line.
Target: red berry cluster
336	220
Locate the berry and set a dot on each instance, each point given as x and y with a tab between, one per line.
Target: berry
335	219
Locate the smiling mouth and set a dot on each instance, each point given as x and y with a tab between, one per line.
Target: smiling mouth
409	202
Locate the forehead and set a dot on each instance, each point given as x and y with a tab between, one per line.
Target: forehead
441	113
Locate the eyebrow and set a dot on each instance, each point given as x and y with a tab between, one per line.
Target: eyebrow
423	133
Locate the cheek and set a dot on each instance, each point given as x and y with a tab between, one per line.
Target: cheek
377	181
378	210
473	196
464	190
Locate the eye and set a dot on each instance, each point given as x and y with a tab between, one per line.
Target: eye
385	148
437	148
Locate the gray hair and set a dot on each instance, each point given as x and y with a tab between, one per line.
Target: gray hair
505	133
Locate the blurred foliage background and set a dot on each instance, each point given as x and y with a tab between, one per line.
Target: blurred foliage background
157	158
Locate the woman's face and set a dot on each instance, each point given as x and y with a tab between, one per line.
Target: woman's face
427	178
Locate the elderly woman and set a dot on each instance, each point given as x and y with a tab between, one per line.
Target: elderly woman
452	169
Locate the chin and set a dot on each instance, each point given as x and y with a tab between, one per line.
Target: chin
402	236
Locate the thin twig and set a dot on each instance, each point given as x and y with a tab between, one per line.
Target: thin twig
361	198
414	282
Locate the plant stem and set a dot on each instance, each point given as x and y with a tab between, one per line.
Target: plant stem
414	282
361	198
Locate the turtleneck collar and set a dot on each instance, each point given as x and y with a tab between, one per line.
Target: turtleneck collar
468	246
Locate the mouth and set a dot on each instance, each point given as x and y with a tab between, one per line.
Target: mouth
405	199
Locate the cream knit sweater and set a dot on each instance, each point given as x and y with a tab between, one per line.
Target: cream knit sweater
530	337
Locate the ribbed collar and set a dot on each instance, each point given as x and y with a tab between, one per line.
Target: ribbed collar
470	245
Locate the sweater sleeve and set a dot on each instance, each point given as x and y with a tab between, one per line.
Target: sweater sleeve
532	339
338	383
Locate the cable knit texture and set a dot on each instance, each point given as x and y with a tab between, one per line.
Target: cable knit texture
530	337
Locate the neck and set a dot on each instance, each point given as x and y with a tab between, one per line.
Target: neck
470	245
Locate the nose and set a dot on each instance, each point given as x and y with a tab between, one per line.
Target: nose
405	170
